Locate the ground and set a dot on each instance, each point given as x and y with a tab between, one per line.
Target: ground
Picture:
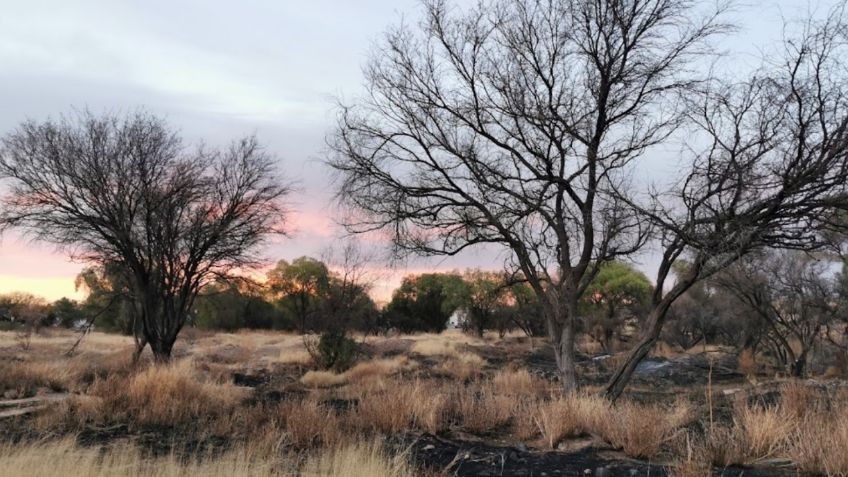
253	403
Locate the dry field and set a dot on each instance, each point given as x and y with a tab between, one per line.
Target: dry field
253	404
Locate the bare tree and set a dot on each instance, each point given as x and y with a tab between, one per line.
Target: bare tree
126	191
346	303
510	123
30	311
774	167
794	294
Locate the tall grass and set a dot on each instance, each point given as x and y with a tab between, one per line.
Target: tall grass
65	459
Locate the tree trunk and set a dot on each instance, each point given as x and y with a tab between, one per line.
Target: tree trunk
162	350
565	358
625	371
140	344
561	332
799	365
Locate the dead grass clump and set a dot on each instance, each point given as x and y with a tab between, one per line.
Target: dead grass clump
799	428
434	347
819	444
692	461
480	410
518	383
641	430
461	366
173	394
431	407
723	446
322	379
797	400
88	366
358	459
393	406
820	439
524	426
379	368
23	379
364	371
764	431
309	424
386	411
571	416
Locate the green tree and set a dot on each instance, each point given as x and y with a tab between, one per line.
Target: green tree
524	310
109	300
67	312
426	302
617	292
486	295
229	307
298	287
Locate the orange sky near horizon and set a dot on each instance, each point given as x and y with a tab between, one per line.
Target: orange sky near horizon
41	270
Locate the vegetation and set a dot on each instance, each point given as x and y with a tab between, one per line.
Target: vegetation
419	388
520	126
169	220
425	302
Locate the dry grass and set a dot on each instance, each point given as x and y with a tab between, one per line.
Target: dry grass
642	430
461	366
638	430
394	406
64	459
570	416
519	383
166	395
355	460
309	424
56	342
24	379
481	411
802	428
294	356
386	411
820	443
433	347
386	396
379	368
361	372
322	379
764	432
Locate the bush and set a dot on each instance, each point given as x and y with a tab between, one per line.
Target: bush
333	350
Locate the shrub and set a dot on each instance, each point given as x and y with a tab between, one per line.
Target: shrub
333	350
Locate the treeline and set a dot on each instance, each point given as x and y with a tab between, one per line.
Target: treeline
305	295
790	308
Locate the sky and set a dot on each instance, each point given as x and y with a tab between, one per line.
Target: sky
218	70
